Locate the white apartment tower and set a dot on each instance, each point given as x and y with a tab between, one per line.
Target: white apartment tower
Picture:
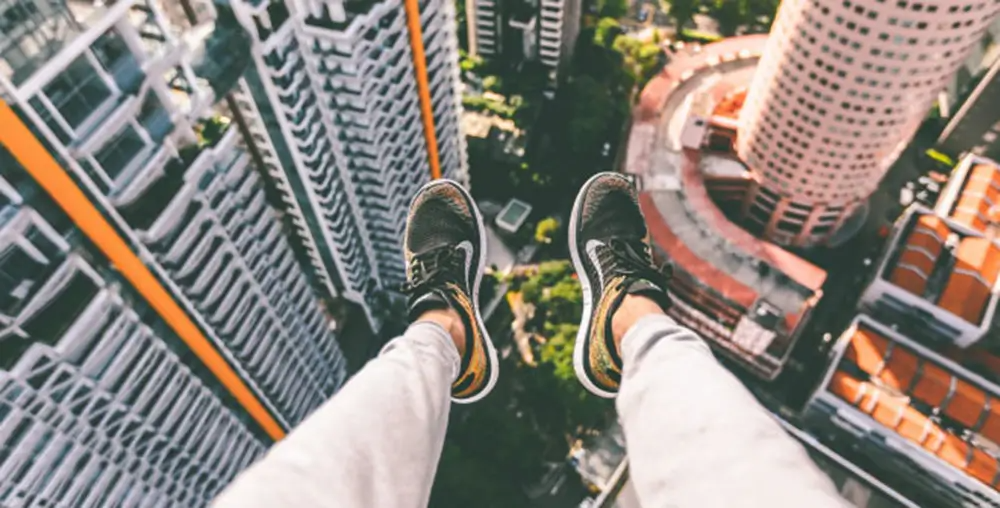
156	330
522	30
840	91
358	106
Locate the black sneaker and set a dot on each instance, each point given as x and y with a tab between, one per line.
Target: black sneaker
445	248
609	244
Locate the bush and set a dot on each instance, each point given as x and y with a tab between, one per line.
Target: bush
546	230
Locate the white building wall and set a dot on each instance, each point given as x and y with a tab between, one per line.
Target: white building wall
101	404
342	77
839	92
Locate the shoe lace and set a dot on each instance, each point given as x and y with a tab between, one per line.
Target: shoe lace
432	269
631	259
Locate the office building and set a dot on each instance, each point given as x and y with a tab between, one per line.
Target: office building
355	112
156	331
840	90
518	31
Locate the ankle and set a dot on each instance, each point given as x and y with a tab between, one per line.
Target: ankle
451	322
632	309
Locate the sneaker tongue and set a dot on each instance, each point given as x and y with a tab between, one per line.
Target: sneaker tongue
648	289
431	300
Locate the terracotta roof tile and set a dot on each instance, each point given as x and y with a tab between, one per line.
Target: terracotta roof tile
968	291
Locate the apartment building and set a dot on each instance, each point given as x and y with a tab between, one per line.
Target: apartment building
156	330
517	31
840	91
356	107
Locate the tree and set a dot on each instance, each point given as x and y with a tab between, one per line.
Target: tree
613	8
731	14
682	11
608	29
546	230
593	111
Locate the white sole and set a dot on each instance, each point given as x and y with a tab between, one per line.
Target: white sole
491	351
588	306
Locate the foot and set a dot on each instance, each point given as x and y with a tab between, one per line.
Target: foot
609	244
445	248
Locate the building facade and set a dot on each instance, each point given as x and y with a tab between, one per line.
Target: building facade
840	91
517	31
156	330
356	109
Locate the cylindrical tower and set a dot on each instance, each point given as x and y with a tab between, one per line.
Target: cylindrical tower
841	89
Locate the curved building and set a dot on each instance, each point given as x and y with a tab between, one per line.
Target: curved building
840	90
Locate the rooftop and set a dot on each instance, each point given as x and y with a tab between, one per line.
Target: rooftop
947	265
932	402
972	190
765	291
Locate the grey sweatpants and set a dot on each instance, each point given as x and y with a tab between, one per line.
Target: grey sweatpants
695	436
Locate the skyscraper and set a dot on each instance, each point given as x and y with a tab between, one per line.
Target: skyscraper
358	106
840	90
525	30
156	331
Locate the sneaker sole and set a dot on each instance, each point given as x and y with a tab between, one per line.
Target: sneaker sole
490	349
582	344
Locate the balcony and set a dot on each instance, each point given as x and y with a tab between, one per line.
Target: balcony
222	54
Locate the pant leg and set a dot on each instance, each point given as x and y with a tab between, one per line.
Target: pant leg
376	443
697	437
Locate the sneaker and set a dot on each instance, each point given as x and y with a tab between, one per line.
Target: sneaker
445	248
609	244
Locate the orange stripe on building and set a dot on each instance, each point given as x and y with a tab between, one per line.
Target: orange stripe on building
423	85
40	164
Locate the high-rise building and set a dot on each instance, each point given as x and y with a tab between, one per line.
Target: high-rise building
840	90
156	330
357	106
517	31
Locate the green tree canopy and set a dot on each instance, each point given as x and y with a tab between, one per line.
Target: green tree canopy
731	14
592	114
608	29
546	230
613	8
681	10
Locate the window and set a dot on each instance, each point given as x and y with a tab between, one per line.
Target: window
77	92
116	155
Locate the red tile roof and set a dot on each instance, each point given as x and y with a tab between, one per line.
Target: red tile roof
979	193
920	251
969	288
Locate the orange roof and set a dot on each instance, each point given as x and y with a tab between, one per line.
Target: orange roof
895	413
907	373
980	192
730	104
969	287
918	254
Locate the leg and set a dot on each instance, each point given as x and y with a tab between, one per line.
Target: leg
696	436
376	443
